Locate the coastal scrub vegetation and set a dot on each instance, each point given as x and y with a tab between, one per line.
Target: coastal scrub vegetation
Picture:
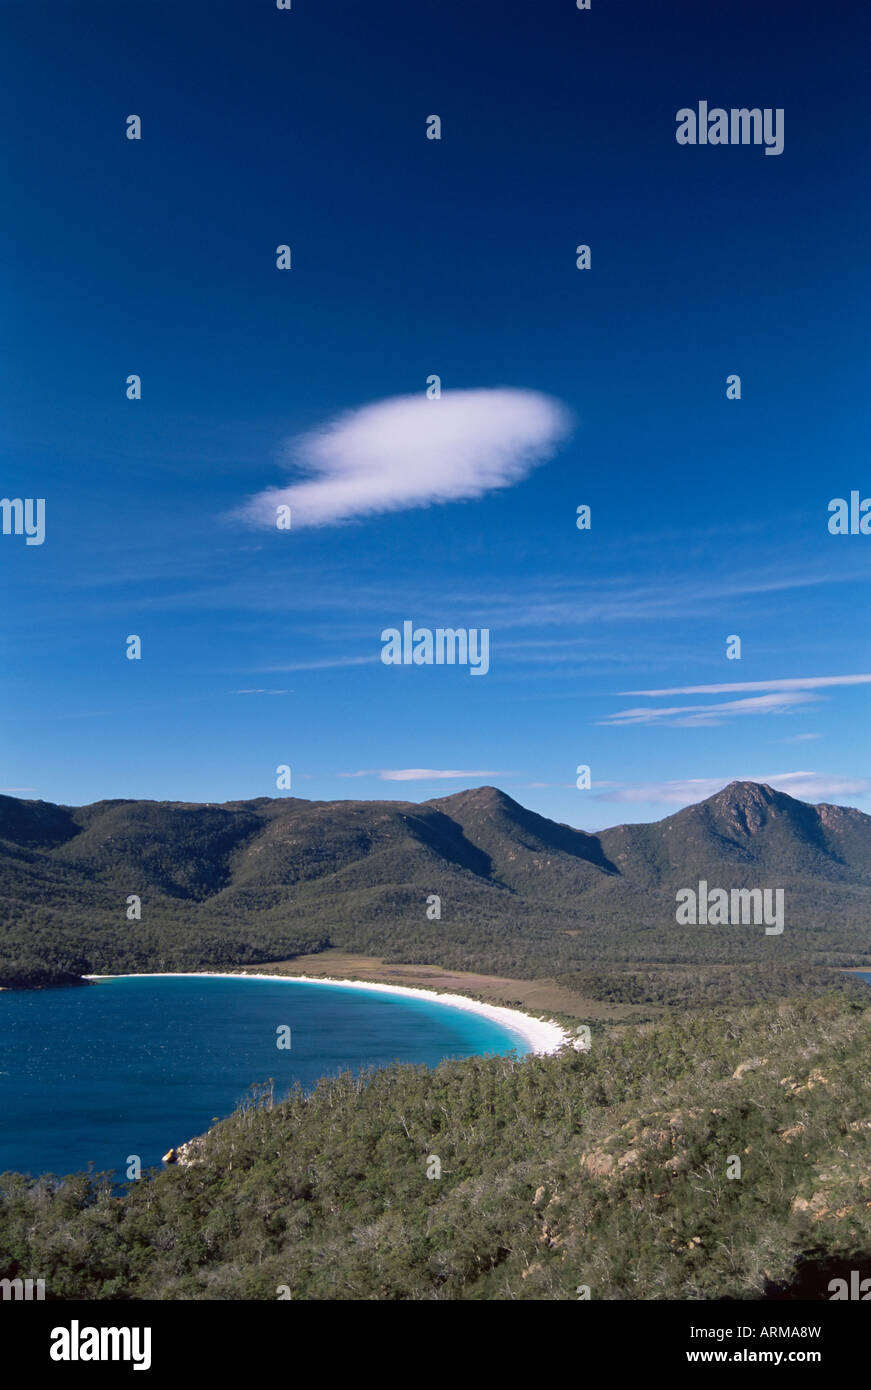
608	1168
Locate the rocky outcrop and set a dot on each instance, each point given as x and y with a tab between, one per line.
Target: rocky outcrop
187	1153
750	1065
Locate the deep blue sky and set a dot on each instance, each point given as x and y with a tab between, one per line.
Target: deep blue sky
413	257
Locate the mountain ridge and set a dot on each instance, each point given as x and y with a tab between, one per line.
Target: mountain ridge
242	882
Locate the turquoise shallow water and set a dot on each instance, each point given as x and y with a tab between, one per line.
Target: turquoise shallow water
137	1065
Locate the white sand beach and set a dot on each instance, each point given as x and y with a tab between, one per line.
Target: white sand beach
541	1036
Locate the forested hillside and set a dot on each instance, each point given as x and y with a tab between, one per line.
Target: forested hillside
261	880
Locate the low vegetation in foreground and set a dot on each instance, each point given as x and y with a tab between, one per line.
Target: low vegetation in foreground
607	1169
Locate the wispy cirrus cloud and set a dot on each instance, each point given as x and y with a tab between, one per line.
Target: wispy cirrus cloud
324	664
409	451
419	774
726	688
805	785
781	696
696	716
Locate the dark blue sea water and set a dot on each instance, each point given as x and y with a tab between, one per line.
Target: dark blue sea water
138	1065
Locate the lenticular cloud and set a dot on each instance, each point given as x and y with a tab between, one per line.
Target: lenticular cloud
410	451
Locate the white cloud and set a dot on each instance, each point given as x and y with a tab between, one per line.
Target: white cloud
326	665
805	785
417	774
694	716
792	683
409	451
259	692
816	784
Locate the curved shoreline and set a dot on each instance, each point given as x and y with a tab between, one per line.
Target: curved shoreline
541	1036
